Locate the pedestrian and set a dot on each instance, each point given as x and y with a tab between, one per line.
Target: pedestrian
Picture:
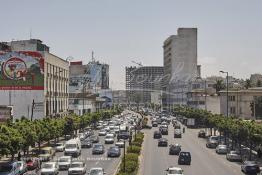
19	156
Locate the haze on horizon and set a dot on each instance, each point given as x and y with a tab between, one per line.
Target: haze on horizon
119	31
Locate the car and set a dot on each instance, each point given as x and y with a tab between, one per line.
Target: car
98	149
22	167
157	135
212	142
64	162
96	171
164	131
109	139
120	143
60	147
102	132
94	139
174	149
221	149
87	143
113	151
162	142
46	153
77	168
9	168
177	126
202	134
123	135
174	171
177	133
250	167
49	168
154	124
184	158
234	156
32	163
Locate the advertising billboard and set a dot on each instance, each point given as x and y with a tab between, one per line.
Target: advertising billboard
22	70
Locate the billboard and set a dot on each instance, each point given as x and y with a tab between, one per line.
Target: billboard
21	70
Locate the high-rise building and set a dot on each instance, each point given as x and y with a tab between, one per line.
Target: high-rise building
141	81
180	64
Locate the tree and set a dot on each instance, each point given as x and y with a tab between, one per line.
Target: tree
219	85
248	83
259	83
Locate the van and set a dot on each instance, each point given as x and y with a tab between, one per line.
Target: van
46	153
73	147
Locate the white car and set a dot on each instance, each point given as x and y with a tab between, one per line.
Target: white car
64	162
120	143
60	147
77	168
109	139
102	133
174	171
96	171
49	168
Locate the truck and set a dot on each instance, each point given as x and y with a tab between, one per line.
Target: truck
73	147
190	122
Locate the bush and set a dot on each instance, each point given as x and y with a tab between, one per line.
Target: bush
136	143
138	139
134	149
131	166
131	157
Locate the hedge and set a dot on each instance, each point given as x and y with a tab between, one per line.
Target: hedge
134	149
131	157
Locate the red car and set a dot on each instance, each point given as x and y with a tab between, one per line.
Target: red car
32	163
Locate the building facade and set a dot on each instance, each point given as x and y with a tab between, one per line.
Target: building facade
180	64
245	104
141	81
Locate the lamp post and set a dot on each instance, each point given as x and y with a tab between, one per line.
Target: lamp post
227	88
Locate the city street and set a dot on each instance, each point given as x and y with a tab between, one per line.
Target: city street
204	161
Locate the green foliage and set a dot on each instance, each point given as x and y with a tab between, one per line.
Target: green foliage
131	166
132	157
134	149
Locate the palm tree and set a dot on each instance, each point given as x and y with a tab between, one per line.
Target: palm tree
248	83
219	85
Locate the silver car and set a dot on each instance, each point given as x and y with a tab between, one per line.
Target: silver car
234	156
49	168
64	162
221	149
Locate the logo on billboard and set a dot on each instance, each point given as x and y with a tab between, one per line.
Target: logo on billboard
15	69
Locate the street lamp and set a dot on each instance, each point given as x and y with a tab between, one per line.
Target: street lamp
227	88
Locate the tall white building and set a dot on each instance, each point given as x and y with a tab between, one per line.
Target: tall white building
180	64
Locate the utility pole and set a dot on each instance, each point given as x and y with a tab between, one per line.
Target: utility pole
32	110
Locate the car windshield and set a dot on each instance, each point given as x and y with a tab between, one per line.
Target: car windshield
175	172
59	144
63	159
96	172
77	165
98	146
68	146
44	151
5	168
184	154
109	137
48	165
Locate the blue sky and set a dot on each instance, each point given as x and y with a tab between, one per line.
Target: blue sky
119	31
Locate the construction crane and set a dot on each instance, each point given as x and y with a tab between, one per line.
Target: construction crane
138	63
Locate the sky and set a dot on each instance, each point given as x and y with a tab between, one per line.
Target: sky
122	31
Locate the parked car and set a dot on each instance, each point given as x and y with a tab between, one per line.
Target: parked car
120	143
60	147
163	142
77	168
177	133
114	151
184	158
234	156
32	163
9	168
49	168
94	139
250	167
212	142
64	162
96	171
174	149
87	143
202	134
157	135
46	153
221	149
98	149
174	171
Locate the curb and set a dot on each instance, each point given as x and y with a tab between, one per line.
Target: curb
141	156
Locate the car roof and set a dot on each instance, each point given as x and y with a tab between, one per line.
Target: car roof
64	157
96	168
78	162
174	168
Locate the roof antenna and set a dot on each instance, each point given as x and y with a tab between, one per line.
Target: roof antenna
93	58
30	33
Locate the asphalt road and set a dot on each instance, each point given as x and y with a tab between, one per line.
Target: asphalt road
204	161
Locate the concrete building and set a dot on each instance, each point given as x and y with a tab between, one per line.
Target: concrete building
241	103
119	97
141	81
34	83
28	45
180	64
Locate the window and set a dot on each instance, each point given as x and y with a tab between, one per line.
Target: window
232	98
232	110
